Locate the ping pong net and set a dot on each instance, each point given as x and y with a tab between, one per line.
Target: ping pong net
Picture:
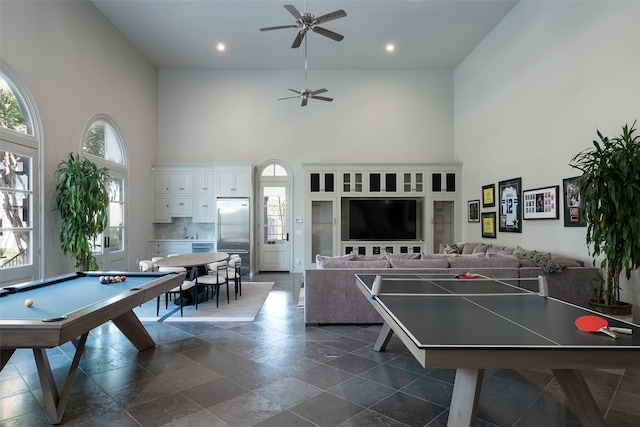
448	285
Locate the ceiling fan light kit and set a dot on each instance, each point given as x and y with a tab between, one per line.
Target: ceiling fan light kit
307	21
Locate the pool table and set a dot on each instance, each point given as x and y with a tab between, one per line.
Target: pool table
66	308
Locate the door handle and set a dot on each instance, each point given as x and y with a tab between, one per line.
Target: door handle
287	237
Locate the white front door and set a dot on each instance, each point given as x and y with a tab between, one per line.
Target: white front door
275	244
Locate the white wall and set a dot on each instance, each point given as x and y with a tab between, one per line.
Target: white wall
77	65
531	96
376	117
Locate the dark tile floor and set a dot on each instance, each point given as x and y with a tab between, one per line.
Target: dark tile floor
277	372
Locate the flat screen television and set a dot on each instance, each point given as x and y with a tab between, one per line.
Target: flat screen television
381	218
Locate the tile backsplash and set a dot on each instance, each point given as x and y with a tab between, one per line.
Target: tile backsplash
176	229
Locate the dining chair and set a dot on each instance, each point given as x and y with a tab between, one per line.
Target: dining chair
145	265
216	277
233	273
177	291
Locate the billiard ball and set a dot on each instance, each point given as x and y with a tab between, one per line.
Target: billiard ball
123	278
28	302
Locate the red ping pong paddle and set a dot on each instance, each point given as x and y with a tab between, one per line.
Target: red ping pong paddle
598	324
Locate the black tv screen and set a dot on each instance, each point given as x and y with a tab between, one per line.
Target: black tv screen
380	219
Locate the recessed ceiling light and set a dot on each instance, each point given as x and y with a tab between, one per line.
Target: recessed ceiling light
390	47
221	47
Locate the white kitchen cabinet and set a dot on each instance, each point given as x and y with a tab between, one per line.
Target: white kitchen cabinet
204	209
444	181
165	248
181	205
234	182
161	183
181	182
204	182
161	211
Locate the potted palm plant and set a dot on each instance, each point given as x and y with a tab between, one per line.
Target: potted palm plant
83	200
610	196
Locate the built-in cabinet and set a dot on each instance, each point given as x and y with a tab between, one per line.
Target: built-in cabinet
163	249
233	182
190	190
436	185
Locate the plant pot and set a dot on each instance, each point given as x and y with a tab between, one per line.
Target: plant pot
622	310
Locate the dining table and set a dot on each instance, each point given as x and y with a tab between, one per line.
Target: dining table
192	262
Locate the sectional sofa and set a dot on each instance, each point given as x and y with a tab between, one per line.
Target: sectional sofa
331	295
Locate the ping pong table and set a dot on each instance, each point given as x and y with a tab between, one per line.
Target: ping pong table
481	323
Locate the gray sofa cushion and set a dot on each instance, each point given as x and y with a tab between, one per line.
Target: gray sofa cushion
323	261
419	263
506	261
390	256
434	256
357	257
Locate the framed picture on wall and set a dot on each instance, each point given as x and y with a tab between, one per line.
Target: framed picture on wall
488	195
473	210
572	203
541	203
489	225
509	192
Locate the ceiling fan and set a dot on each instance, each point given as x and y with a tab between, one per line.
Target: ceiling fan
307	21
307	94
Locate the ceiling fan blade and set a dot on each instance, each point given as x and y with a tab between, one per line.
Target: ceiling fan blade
330	16
288	97
292	10
322	98
298	40
315	92
279	27
327	33
304	101
296	91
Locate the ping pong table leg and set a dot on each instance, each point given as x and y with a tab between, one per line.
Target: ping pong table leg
383	339
579	396
464	400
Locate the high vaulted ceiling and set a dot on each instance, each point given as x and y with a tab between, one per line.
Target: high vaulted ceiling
427	34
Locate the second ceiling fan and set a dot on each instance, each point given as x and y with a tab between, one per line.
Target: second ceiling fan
307	21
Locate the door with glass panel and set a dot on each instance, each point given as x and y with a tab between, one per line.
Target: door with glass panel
443	220
109	248
18	214
275	245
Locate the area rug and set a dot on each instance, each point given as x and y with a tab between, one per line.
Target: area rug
244	309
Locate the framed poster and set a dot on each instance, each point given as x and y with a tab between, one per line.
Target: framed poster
488	195
510	208
489	225
572	203
541	203
473	211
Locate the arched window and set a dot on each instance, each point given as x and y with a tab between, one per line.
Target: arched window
103	144
273	169
19	183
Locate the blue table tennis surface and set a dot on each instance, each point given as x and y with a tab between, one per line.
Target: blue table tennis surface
441	311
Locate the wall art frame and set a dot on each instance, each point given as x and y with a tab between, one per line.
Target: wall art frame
541	203
572	203
510	196
473	211
489	225
488	196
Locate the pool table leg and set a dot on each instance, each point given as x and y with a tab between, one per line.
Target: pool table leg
132	328
55	403
5	355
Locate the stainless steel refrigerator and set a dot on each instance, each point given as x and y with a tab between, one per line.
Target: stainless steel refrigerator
234	228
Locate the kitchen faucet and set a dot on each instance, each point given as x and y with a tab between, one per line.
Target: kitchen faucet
186	236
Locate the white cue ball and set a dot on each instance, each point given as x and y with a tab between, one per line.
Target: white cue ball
28	302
